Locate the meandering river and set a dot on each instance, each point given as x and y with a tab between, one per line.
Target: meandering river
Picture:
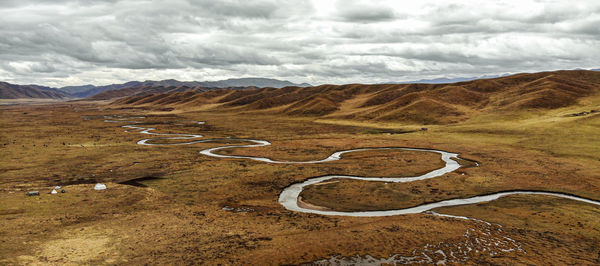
290	195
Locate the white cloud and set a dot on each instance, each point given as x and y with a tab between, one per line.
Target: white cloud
70	42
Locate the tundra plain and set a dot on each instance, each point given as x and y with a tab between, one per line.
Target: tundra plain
167	204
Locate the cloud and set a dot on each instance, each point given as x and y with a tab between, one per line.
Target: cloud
70	42
364	11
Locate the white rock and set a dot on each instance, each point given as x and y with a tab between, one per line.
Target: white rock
54	191
100	186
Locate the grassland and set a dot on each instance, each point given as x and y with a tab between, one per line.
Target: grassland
198	209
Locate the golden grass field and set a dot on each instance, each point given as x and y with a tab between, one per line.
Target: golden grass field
178	217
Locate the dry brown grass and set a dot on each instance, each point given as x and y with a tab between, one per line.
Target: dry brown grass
179	218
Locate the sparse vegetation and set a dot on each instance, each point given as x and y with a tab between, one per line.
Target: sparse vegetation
198	209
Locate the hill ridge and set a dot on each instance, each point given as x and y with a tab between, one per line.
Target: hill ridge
13	91
418	103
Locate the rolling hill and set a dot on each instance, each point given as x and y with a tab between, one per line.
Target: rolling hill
91	90
415	103
10	91
146	90
13	91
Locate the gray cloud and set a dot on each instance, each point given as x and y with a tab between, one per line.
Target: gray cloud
69	42
364	11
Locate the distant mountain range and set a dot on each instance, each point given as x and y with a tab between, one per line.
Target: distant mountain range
12	91
449	80
445	80
91	90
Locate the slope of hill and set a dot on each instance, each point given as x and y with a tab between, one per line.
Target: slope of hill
251	82
415	103
77	89
91	90
447	80
145	90
13	91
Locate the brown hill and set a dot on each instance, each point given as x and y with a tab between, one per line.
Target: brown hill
137	91
13	91
418	103
143	90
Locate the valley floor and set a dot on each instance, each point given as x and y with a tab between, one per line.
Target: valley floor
171	204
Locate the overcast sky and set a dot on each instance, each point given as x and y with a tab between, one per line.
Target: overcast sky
74	42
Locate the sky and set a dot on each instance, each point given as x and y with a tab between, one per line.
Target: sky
75	42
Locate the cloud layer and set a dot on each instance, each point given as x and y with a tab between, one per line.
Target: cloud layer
72	42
